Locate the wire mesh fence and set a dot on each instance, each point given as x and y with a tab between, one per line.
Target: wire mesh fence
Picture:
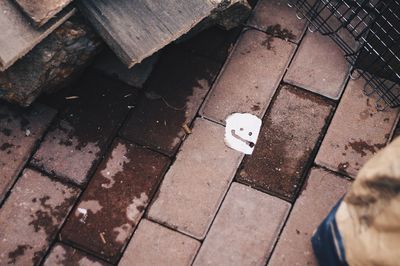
368	32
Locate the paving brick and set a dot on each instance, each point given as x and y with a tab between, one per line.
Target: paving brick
153	244
250	76
214	43
173	95
115	200
77	140
108	63
31	217
63	255
196	183
319	66
20	129
277	18
357	131
290	132
321	192
245	229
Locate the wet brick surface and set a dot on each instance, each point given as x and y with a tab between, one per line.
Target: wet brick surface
250	76
172	97
20	130
245	228
195	185
278	19
321	192
289	134
153	244
62	255
31	217
319	66
115	199
213	43
77	140
357	131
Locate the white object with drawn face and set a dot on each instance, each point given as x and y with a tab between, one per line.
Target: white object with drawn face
241	132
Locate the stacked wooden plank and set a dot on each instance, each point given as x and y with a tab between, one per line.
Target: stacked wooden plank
134	30
41	11
18	36
137	29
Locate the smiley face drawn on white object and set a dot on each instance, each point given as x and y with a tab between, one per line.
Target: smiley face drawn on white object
241	132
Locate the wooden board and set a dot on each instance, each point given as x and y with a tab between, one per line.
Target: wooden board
41	11
53	64
18	36
136	29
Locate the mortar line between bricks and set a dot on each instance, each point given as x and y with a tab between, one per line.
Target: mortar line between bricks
57	239
216	213
144	214
325	98
250	27
339	174
66	243
328	169
137	143
27	162
53	176
79	248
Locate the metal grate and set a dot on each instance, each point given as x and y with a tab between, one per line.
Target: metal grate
368	31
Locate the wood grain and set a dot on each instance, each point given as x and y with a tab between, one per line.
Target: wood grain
18	36
136	29
41	11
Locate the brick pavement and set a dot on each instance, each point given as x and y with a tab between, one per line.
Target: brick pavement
110	176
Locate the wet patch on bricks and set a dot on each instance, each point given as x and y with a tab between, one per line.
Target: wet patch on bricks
291	131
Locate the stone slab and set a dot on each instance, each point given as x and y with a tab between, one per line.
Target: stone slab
357	131
319	66
153	244
31	217
196	183
115	199
289	136
245	228
20	131
250	76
